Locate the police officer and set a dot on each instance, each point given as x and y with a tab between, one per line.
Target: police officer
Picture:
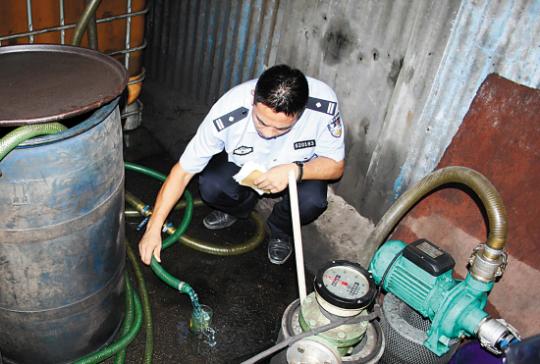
282	121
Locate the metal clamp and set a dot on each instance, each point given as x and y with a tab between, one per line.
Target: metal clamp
167	227
143	223
146	211
485	269
493	335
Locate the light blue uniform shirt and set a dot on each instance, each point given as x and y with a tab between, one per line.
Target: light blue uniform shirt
229	125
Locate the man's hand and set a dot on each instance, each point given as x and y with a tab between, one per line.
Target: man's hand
149	245
168	195
276	179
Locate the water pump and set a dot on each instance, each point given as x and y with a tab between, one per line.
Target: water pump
419	278
423	298
420	274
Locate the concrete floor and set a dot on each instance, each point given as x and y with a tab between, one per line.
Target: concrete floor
247	293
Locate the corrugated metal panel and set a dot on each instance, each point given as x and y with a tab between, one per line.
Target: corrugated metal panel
431	29
488	37
203	48
367	51
405	73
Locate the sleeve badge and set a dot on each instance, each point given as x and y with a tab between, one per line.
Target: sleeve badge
335	127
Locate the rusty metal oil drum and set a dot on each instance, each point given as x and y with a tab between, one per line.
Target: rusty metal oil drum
62	254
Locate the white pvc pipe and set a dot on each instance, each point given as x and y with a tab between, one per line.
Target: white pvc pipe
297	236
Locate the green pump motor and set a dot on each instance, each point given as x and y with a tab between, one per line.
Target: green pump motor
420	274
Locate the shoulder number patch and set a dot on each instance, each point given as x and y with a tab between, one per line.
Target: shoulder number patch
335	126
304	144
228	119
320	105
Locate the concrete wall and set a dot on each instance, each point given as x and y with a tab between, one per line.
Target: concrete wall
405	73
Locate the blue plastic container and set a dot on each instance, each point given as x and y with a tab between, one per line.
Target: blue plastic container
61	242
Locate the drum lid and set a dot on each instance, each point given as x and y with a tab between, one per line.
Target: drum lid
42	83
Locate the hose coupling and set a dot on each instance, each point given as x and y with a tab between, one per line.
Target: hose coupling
483	267
143	223
496	335
146	211
168	227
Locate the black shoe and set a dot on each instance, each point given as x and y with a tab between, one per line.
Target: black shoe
217	220
279	250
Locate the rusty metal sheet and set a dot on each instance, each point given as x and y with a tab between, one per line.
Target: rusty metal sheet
500	138
42	83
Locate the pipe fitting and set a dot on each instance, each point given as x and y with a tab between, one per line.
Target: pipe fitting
168	228
485	268
496	334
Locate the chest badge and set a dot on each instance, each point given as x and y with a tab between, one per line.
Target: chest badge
243	150
304	144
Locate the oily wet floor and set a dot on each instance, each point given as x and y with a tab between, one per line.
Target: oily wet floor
247	293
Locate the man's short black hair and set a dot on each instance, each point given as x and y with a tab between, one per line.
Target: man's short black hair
283	89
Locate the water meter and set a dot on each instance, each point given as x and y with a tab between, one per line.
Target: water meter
344	288
338	313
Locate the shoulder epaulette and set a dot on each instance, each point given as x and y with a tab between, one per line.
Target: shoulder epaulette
320	105
228	119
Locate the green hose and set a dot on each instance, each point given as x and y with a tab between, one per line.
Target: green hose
162	274
147	311
125	340
189	200
135	312
12	139
133	316
128	321
141	209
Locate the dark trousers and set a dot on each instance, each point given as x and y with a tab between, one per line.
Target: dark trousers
221	192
